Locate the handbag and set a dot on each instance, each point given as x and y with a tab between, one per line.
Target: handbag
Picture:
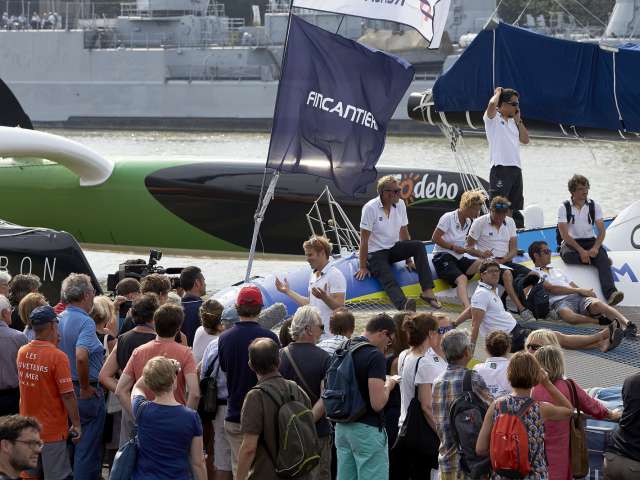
208	405
124	463
579	452
416	435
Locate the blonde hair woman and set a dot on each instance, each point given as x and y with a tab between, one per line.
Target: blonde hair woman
27	305
169	434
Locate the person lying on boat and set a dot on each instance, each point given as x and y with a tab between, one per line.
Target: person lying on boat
494	236
488	315
576	219
568	301
505	132
327	285
385	240
454	262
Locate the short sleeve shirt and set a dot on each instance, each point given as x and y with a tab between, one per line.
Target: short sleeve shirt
580	227
155	348
487	237
495	316
494	373
504	140
369	363
211	355
454	232
165	433
554	276
331	279
78	330
385	231
44	376
259	417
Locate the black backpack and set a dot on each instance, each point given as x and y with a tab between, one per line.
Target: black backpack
537	300
467	414
571	219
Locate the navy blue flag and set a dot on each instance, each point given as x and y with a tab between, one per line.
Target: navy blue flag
335	100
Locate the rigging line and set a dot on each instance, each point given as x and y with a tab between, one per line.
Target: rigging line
522	12
635	26
570	14
615	91
590	12
340	24
493	13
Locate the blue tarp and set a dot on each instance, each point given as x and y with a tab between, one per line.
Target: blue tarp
560	81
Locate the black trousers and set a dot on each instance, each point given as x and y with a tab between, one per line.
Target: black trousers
380	265
507	182
9	401
601	262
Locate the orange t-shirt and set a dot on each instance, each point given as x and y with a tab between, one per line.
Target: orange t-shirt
45	375
172	349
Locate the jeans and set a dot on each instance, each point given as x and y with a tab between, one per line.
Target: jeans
87	456
362	452
380	263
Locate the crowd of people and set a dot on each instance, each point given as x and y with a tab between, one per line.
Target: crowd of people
37	21
204	390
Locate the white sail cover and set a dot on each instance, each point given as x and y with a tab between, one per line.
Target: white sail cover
427	16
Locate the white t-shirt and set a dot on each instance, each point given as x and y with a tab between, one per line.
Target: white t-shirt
488	238
200	341
494	373
554	276
332	279
454	232
580	226
430	367
504	140
385	231
495	316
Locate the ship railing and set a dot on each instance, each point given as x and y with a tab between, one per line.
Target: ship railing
284	8
216	72
132	10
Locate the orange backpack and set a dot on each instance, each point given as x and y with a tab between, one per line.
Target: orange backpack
509	448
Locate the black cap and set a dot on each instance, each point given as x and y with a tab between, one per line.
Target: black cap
43	315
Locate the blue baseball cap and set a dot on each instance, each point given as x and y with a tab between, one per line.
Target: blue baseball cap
43	315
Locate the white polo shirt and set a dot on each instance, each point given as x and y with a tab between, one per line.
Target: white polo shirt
454	232
385	231
495	316
504	140
333	280
494	373
488	237
580	226
554	276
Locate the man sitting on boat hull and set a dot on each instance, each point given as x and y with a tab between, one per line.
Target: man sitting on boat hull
385	239
569	302
579	244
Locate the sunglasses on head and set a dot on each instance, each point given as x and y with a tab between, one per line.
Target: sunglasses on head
534	347
443	330
394	190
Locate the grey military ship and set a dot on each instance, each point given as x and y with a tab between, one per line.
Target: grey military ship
185	64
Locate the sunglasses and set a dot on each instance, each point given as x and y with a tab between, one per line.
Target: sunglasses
443	330
502	206
513	104
534	347
394	190
491	270
546	251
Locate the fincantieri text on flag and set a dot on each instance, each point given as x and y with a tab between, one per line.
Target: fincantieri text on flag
429	17
335	100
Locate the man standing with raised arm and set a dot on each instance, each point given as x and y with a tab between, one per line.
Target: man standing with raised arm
385	239
505	132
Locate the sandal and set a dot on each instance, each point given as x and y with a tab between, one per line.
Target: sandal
615	336
433	301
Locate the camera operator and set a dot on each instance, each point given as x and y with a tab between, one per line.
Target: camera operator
127	290
505	131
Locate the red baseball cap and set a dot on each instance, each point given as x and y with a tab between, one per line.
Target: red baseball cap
249	296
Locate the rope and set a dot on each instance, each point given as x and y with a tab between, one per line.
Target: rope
522	12
493	13
615	93
590	13
584	144
493	60
571	15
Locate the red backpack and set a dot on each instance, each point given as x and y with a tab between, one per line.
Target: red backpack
509	448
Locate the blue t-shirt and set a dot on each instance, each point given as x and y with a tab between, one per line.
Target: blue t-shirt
233	352
165	433
77	329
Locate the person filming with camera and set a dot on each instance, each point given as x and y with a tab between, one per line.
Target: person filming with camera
505	132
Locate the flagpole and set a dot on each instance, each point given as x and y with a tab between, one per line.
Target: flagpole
263	202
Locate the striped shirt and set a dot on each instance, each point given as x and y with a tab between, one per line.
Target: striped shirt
446	388
331	343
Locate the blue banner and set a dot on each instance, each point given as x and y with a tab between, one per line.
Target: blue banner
335	100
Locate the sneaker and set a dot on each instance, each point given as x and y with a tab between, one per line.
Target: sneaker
527	315
615	298
615	336
631	331
410	305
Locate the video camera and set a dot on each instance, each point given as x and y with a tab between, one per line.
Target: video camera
138	269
